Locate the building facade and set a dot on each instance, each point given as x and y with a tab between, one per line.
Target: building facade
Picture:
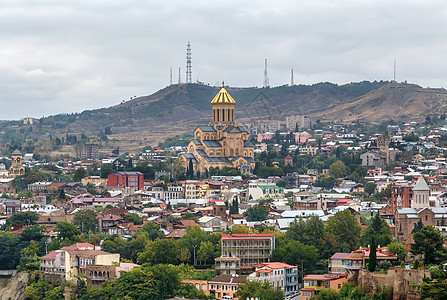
221	143
126	179
250	249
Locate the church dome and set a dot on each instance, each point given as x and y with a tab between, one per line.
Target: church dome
223	97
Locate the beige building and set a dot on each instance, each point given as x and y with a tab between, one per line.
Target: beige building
16	168
221	143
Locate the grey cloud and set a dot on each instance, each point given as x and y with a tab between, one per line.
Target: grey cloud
64	57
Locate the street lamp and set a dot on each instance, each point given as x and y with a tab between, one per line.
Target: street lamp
194	254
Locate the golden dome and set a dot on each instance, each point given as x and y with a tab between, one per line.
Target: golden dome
223	97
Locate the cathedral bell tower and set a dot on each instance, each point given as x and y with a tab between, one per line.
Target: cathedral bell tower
223	107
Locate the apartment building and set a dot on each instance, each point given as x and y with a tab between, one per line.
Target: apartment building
250	249
315	283
280	276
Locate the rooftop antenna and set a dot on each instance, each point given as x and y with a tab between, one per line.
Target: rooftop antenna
179	75
188	64
394	71
266	77
291	79
170	77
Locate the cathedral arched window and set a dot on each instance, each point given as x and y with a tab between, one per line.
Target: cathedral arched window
231	152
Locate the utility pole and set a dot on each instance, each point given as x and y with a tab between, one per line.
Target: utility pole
179	75
170	77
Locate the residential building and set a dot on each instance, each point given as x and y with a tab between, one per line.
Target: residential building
280	276
90	151
225	285
213	224
126	179
251	249
315	283
337	264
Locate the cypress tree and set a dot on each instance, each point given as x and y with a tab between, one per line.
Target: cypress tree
372	263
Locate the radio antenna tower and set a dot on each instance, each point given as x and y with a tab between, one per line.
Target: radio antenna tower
291	79
170	77
394	71
179	75
266	77
188	64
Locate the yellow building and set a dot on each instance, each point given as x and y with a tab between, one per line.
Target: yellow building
221	143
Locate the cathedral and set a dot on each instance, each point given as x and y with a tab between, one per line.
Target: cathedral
221	143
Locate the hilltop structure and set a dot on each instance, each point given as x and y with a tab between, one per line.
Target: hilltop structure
221	143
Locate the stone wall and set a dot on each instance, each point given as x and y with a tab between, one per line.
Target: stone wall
398	278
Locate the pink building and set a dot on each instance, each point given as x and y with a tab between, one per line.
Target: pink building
302	137
265	136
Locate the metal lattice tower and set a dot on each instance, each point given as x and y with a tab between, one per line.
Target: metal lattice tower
291	79
188	64
170	77
179	75
266	77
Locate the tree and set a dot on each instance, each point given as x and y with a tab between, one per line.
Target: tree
133	218
257	213
399	249
296	253
327	294
10	247
33	232
79	174
67	231
345	228
152	230
435	287
370	188
62	195
162	251
379	229
255	289
338	169
206	252
417	227
234	208
429	242
85	219
25	218
372	263
309	232
166	279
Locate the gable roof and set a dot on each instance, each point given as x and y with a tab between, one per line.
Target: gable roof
421	185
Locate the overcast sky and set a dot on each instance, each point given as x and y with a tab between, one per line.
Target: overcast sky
68	56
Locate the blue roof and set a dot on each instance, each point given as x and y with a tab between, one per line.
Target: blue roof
211	143
207	128
189	156
248	144
202	153
197	142
128	173
249	160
